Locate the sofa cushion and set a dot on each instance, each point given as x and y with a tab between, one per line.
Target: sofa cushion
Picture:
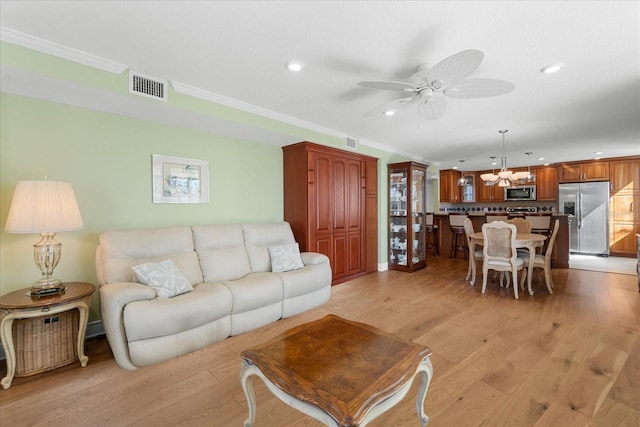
159	317
259	237
119	250
164	277
221	251
285	257
254	291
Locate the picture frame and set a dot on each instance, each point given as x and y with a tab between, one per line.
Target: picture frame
180	179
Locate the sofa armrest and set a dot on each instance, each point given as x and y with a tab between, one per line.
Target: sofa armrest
312	258
113	299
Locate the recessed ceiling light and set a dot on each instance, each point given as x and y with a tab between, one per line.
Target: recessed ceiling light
551	68
494	163
389	112
546	164
293	65
597	153
455	167
540	158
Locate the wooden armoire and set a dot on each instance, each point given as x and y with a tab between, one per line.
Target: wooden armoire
331	202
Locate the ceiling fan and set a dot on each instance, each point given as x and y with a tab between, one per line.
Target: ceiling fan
427	88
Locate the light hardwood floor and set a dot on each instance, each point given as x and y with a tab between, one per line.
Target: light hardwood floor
568	359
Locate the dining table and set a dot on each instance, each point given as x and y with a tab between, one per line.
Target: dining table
529	241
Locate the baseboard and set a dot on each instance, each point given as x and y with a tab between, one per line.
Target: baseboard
94	329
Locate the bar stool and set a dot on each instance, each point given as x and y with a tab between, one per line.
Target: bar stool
492	217
458	238
431	229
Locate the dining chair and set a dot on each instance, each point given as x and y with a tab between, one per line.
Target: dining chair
540	224
491	218
468	231
543	261
522	225
499	252
458	240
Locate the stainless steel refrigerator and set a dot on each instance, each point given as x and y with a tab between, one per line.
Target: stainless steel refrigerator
587	205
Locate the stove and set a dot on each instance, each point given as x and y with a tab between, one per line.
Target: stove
522	209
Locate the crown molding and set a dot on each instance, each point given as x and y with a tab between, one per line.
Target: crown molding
30	42
249	108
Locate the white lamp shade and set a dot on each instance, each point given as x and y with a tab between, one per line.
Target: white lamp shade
42	206
521	175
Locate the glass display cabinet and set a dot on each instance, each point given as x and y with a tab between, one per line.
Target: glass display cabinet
407	193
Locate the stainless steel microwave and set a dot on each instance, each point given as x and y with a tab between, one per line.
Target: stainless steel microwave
527	192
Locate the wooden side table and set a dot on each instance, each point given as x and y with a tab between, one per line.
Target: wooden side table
19	305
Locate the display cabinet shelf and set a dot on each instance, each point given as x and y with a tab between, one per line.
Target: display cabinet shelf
407	187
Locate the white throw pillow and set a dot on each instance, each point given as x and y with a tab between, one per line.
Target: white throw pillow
164	277
285	258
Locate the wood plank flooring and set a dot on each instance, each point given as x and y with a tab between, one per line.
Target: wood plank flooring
567	359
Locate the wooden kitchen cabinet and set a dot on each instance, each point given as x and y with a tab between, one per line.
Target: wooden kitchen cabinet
546	183
624	206
330	200
488	193
625	175
584	172
449	189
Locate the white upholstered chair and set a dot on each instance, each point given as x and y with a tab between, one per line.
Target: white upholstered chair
543	261
499	252
522	225
468	231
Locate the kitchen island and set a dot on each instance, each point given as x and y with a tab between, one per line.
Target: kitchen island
559	258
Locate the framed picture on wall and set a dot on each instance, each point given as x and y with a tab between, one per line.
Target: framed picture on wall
180	180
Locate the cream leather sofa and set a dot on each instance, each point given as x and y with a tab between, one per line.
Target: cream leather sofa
229	267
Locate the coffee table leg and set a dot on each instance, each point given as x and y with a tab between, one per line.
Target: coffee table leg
426	373
247	385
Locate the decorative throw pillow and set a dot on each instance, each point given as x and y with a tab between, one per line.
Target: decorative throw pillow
164	277
285	258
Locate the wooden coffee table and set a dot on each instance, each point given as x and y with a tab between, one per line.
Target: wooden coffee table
339	372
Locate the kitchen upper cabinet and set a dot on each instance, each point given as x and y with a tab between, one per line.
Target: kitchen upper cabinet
468	190
624	205
584	172
546	183
449	189
488	193
624	175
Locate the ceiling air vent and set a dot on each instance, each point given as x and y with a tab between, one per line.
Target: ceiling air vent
350	142
147	86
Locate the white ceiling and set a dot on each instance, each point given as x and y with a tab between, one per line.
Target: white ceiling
238	49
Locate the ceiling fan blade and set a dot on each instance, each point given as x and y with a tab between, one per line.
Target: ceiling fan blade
393	105
454	68
433	108
479	88
387	85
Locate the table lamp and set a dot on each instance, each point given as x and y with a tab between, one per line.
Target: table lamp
45	207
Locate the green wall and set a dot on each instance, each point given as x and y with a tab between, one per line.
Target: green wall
107	157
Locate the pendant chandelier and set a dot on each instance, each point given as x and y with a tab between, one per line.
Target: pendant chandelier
505	177
462	181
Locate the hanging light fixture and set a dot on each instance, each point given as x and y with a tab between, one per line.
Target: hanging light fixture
505	177
462	181
530	176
